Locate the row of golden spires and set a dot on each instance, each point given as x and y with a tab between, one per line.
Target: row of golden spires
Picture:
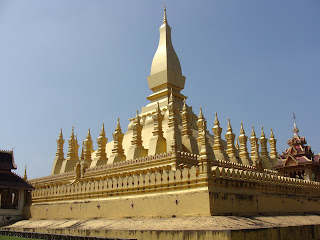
235	153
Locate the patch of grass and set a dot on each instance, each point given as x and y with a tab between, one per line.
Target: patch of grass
2	237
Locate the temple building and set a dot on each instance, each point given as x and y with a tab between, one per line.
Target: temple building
298	161
168	164
13	189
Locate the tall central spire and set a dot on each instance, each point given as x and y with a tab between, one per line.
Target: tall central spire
166	71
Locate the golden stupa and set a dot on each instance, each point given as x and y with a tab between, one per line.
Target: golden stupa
168	164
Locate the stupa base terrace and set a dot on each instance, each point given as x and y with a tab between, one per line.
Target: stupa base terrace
210	188
217	227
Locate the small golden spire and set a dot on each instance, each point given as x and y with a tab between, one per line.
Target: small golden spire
231	150
273	148
136	149
204	142
243	150
87	148
264	148
202	126
185	122
59	155
157	117
117	151
217	135
254	147
101	156
164	13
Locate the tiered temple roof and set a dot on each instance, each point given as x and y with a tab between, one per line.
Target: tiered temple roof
9	179
294	160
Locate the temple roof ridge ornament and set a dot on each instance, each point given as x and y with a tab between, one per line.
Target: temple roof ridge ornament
295	129
25	177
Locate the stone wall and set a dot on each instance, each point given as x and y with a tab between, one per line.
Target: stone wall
182	192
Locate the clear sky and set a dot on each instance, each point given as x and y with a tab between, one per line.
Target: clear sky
82	63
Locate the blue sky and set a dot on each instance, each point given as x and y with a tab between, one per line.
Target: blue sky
82	63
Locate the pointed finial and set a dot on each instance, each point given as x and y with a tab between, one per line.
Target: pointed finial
60	135
200	113
241	129
216	121
89	134
262	132
118	127
164	13
72	132
253	134
271	135
102	133
295	129
229	128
